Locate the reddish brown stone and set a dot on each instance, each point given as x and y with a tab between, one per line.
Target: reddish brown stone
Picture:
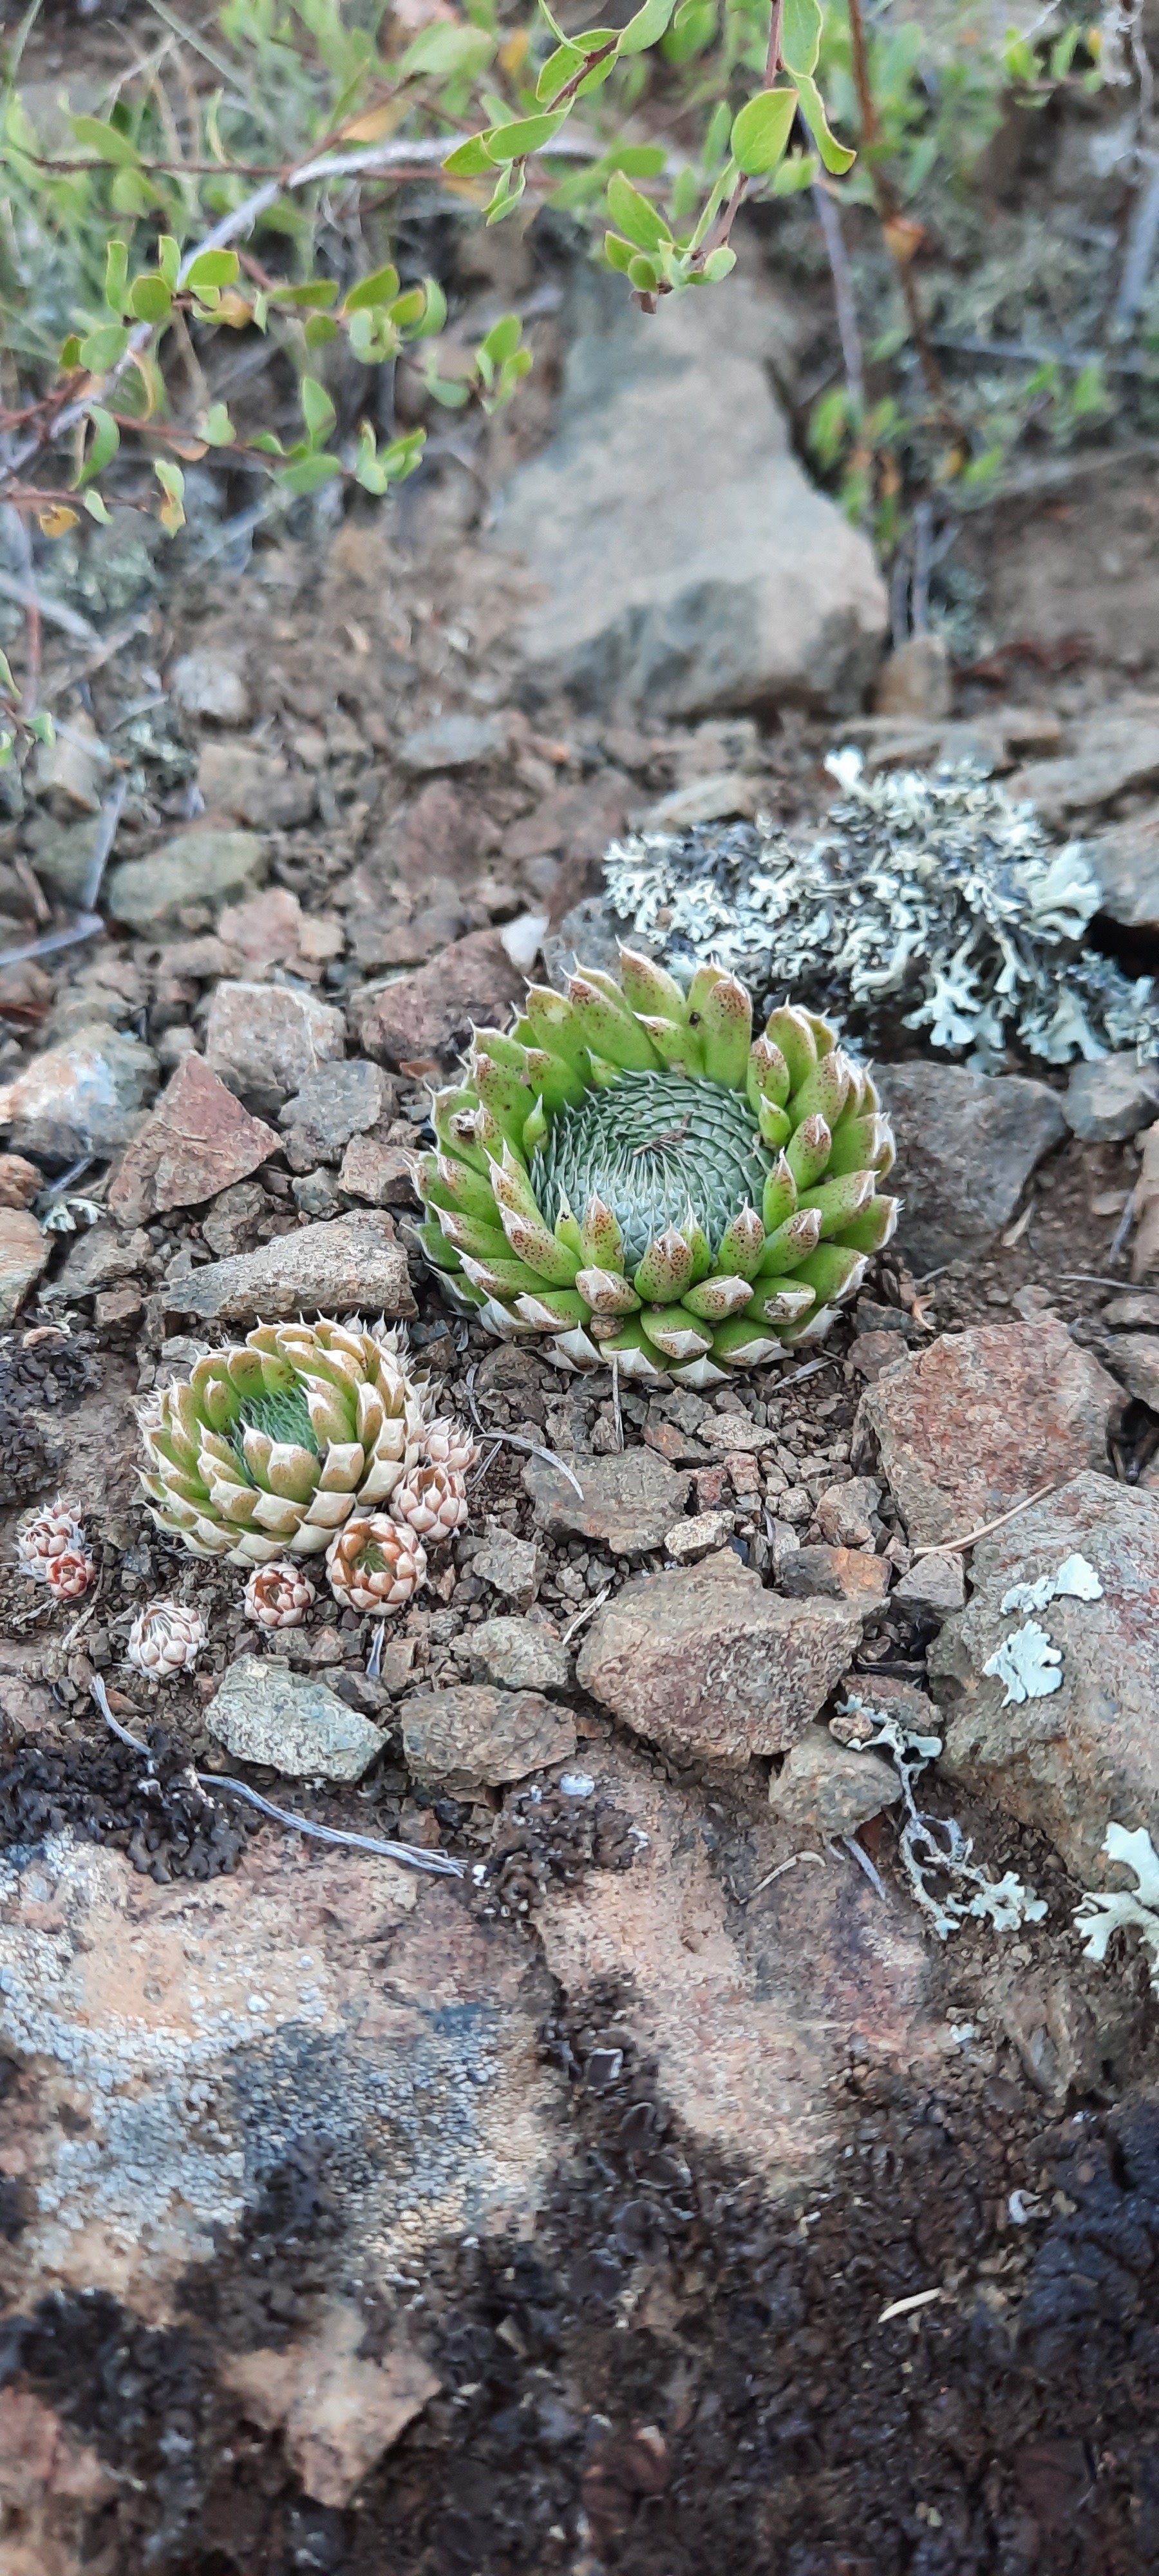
19	1181
198	1141
979	1420
575	822
428	1014
705	1662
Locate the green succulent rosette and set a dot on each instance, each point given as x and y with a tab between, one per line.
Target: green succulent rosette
631	1172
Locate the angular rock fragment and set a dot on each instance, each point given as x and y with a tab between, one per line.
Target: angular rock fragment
351	1265
263	1712
474	1736
979	1420
705	1662
967	1144
199	1140
265	1040
628	1504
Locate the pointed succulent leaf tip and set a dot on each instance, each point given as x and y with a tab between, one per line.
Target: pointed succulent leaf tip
704	1163
650	987
603	1242
741	1244
793	1033
767	1077
666	1269
727	1028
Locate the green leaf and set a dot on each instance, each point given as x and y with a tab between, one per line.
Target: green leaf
169	261
470	159
691	32
96	509
718	264
636	215
106	142
444	50
314	293
309	474
799	171
69	354
801	35
172	482
213	268
643	272
42	728
266	442
319	331
646	28
408	309
116	275
378	288
506	143
639	160
317	410
835	155
149	298
502	339
217	429
560	67
102	347
761	131
435	311
105	442
7	683
507	192
618	254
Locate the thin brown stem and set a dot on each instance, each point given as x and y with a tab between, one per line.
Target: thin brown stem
888	210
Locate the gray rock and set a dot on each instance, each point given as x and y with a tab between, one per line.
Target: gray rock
1111	1099
509	1564
202	866
24	1253
97	1259
266	1040
354	1264
977	1421
476	1737
846	1513
966	1145
629	1503
337	1101
688	1540
825	1789
1136	1311
62	854
1125	860
453	743
316	1194
1135	1358
705	1662
1088	1755
88	1094
210	684
233	1220
265	1713
916	681
664	583
1116	749
934	1588
517	1656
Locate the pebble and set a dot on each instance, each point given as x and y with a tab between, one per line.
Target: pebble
1116	751
966	1146
19	1181
210	684
835	1574
87	1094
198	1141
99	1258
824	1789
915	680
316	1194
1137	1309
233	1220
705	1661
629	1502
353	1264
689	1540
1090	1753
266	1039
337	1101
934	1588
509	1564
1125	860
202	866
516	1656
454	742
24	1253
378	1173
254	787
977	1420
1135	1357
1110	1100
707	800
475	1736
428	1014
263	1712
846	1513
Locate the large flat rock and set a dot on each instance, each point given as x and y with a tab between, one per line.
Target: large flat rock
352	1264
981	1419
683	558
1087	1755
966	1145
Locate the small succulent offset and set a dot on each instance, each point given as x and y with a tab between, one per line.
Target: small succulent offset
278	1595
375	1564
53	1549
930	899
272	1444
631	1173
166	1639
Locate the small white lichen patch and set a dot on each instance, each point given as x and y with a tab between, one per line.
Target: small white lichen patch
1099	1915
932	1846
1027	1663
1076	1579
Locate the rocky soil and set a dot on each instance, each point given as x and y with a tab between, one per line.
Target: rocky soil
681	2177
